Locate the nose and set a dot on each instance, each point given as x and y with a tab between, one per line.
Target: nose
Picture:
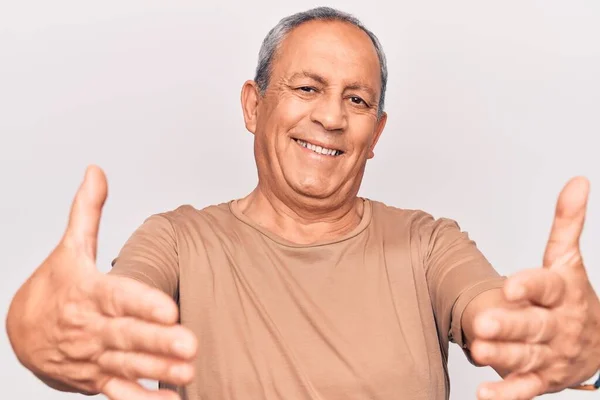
330	113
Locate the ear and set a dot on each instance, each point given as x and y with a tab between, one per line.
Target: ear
250	99
378	130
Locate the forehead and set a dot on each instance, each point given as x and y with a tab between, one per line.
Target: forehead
337	50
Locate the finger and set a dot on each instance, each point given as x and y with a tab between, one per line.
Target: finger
86	209
122	389
539	286
511	356
128	334
530	324
513	387
120	296
134	366
568	220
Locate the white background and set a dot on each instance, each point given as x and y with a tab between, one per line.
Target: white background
492	107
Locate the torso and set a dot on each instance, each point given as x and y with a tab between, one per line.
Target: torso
343	320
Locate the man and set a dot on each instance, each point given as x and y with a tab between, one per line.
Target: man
302	290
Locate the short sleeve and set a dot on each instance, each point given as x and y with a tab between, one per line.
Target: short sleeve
456	273
150	255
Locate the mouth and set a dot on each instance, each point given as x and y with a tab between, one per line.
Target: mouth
319	149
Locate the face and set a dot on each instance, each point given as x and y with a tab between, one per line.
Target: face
317	123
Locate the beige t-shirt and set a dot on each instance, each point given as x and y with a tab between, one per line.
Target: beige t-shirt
366	316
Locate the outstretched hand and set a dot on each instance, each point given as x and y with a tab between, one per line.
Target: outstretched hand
549	337
80	330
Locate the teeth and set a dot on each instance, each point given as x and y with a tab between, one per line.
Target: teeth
318	149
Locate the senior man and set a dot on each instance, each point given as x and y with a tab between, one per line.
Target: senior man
302	290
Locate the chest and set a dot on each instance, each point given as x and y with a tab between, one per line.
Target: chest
346	324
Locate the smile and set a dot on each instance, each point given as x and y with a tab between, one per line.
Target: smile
318	149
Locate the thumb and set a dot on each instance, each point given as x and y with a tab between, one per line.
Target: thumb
84	219
568	221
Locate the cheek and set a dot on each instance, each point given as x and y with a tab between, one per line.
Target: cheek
291	110
362	134
284	119
276	125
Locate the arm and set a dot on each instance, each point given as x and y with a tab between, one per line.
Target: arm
150	256
457	273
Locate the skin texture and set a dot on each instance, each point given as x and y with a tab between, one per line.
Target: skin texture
81	331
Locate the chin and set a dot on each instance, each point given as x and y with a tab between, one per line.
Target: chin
315	188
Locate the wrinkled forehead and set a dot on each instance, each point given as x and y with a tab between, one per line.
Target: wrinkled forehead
338	51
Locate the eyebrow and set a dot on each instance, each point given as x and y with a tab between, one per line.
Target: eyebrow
311	75
360	86
318	78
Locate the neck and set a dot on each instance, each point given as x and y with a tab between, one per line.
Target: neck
301	223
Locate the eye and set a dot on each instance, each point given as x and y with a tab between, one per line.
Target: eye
307	89
357	100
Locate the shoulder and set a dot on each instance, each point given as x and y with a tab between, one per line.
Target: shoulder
416	221
187	213
187	219
414	217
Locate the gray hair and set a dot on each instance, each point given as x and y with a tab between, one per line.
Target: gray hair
276	35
